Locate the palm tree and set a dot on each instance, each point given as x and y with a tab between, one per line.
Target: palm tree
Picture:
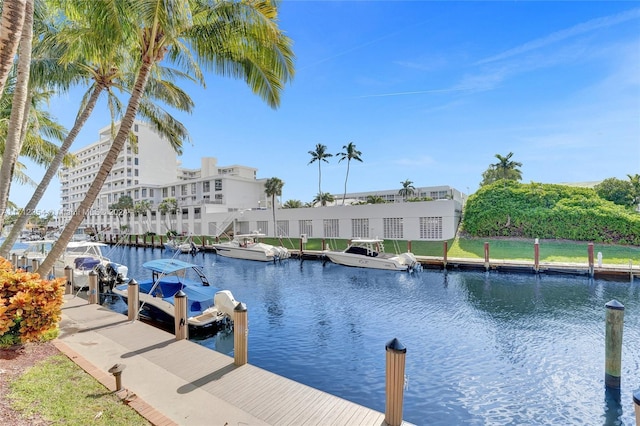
143	207
292	204
168	206
11	24
375	199
350	153
407	189
238	39
273	187
20	105
323	198
507	169
320	154
105	73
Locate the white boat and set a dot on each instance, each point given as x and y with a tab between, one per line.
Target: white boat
207	306
86	256
182	247
249	247
369	253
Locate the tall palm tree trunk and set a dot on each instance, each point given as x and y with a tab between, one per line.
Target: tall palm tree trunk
50	173
345	182
11	24
116	147
319	177
19	108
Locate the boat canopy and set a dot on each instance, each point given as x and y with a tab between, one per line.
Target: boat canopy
168	266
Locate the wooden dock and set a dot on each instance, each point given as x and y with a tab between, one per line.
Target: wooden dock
185	383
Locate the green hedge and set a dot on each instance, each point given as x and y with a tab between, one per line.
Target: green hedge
511	209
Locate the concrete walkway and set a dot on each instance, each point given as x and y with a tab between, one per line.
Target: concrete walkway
174	382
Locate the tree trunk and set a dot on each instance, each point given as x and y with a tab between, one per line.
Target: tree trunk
116	147
50	173
345	183
19	108
11	23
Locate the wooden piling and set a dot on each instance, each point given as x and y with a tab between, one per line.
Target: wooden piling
445	249
14	260
636	404
590	253
68	273
181	325
395	366
613	343
409	246
486	256
240	334
133	300
35	263
93	287
536	256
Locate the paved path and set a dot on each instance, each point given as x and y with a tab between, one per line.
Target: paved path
174	382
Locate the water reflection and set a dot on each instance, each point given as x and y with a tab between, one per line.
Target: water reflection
482	348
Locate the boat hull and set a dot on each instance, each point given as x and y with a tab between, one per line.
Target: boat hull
243	253
360	261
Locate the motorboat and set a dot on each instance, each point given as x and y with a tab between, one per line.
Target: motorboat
182	247
207	306
369	253
248	246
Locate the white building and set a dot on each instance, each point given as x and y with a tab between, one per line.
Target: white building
214	199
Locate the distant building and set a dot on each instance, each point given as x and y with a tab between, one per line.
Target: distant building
216	199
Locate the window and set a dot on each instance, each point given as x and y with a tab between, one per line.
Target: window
193	188
360	228
283	228
185	212
151	193
263	226
165	192
136	194
431	228
392	227
306	227
173	191
183	190
144	192
135	161
206	186
218	197
218	184
331	228
196	213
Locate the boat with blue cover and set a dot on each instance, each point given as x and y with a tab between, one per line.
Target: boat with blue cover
207	306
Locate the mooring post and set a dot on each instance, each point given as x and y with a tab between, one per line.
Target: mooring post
395	360
486	256
240	334
536	256
613	343
590	251
133	297
93	287
181	325
324	246
14	260
68	273
25	262
35	263
445	249
301	248
409	246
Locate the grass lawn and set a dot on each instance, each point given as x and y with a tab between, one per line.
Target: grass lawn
473	248
63	393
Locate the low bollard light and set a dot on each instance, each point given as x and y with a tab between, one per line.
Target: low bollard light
116	370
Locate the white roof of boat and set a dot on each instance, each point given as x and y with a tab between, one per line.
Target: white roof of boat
34	242
168	266
366	240
75	244
251	235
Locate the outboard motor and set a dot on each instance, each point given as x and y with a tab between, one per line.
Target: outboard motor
225	303
108	277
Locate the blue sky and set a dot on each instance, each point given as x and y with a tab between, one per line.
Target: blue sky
427	91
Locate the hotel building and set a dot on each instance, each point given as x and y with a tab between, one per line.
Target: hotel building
214	199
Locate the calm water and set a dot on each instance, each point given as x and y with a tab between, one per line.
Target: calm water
482	349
